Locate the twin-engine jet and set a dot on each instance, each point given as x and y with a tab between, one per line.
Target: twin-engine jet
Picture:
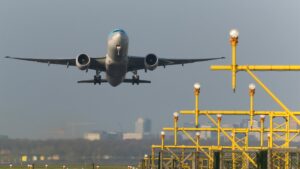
117	62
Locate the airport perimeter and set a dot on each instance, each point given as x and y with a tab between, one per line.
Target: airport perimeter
275	132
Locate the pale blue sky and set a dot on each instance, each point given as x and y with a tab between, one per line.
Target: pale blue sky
38	101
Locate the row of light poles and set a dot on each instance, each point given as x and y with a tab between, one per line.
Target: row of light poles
252	113
197	87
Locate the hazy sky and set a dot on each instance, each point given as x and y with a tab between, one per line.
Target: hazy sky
38	101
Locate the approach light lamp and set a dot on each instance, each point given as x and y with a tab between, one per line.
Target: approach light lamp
176	115
198	135
251	88
162	134
219	116
197	88
234	33
262	117
146	156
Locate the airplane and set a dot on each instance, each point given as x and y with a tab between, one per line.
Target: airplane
117	62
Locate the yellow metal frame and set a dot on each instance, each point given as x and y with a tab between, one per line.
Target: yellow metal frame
278	130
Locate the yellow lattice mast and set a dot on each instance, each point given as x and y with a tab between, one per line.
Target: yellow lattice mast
274	137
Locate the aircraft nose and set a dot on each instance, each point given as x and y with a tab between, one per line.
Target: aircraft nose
118	35
117	32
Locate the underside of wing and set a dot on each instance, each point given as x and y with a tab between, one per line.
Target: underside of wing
166	62
95	63
151	61
71	62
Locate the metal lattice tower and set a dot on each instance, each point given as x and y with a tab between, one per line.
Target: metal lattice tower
234	151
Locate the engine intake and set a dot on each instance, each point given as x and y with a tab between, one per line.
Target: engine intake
83	61
151	61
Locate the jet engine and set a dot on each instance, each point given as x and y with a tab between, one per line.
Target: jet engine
83	61
151	61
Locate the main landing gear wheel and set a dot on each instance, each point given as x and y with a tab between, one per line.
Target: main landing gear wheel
135	78
97	78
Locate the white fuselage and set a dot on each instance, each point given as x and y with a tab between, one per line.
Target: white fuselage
116	57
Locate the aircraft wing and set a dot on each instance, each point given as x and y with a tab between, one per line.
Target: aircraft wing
96	63
137	63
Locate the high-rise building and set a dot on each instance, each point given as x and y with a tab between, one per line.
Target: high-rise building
142	129
143	126
254	135
205	134
147	126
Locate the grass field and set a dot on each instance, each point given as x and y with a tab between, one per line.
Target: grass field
67	167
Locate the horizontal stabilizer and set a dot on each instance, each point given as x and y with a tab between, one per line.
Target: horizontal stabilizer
135	81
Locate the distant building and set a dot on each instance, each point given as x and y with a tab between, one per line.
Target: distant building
254	125
227	125
147	126
55	157
34	158
111	135
143	126
244	123
254	135
205	134
92	136
132	136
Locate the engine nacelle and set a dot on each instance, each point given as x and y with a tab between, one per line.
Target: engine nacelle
83	61
151	61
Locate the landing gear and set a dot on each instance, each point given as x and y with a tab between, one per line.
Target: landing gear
97	78
135	78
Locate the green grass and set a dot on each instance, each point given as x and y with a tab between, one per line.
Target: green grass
67	166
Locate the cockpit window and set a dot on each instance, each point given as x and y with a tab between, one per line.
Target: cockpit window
117	30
